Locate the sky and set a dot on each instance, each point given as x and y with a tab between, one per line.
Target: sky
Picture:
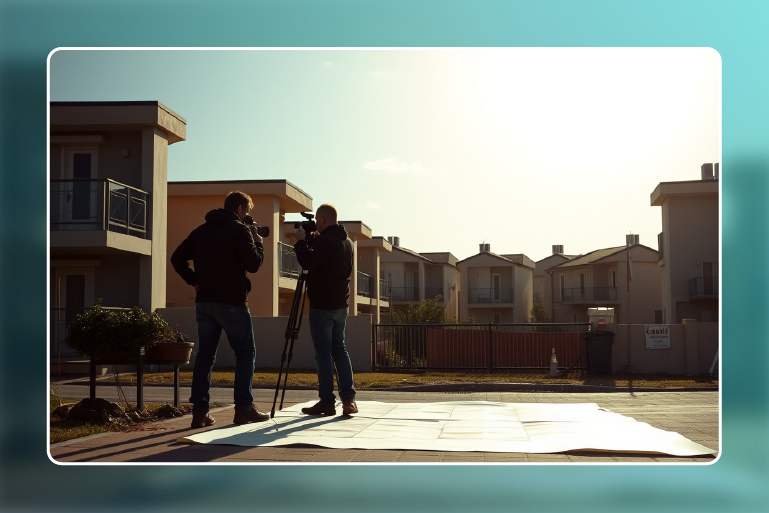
519	148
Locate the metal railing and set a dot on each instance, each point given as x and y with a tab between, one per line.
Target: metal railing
405	293
365	285
489	295
98	204
288	265
384	291
477	346
433	292
588	294
703	288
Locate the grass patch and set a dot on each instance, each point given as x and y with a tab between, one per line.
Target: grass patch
378	380
67	429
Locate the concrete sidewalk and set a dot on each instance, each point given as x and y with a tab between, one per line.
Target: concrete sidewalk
694	415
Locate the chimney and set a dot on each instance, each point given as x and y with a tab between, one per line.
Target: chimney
397	242
631	239
707	171
390	239
484	248
558	250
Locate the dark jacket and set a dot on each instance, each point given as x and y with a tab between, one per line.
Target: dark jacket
222	250
329	264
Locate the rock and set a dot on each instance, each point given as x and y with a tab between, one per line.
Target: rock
63	410
98	411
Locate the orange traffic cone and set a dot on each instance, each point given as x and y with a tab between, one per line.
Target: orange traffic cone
553	365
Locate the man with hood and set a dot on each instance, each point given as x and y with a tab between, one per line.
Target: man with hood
223	250
329	263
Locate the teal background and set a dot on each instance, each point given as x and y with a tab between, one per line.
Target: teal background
29	30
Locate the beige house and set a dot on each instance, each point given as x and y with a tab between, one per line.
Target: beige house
689	250
412	277
108	172
542	290
370	292
272	288
598	279
496	288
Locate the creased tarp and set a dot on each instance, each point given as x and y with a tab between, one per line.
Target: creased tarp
481	426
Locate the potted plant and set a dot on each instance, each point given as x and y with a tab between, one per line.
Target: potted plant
175	348
116	335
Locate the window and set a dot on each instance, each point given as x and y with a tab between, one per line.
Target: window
613	278
497	318
563	286
582	285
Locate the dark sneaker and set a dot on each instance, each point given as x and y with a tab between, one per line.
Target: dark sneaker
199	421
319	409
349	406
252	415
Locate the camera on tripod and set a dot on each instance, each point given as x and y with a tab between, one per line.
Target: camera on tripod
263	231
308	226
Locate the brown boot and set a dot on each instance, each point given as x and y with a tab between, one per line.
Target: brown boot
199	421
319	409
349	406
252	415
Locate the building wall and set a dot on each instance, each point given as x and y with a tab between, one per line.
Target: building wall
523	293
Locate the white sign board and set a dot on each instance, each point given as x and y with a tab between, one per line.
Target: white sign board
657	337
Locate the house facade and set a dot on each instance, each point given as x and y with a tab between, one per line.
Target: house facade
107	228
689	247
599	279
542	290
412	277
496	288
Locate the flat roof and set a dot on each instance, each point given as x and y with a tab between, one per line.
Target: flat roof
686	188
292	198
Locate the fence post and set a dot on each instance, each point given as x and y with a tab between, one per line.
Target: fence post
491	349
373	347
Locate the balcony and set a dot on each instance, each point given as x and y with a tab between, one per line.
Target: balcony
288	266
98	205
703	288
491	295
405	293
384	291
365	284
433	292
588	294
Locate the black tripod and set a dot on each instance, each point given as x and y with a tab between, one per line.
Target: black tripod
292	332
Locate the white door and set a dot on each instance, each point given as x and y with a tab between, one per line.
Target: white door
73	294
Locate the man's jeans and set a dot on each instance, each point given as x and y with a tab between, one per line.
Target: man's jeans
327	330
236	323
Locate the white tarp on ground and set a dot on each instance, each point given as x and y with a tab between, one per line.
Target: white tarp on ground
459	426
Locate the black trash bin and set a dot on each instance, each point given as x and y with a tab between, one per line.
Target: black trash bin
599	351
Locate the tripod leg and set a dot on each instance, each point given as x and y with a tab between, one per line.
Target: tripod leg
295	335
291	333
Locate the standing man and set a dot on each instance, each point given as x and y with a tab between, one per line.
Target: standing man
329	263
223	249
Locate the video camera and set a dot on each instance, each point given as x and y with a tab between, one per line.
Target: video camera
263	231
309	227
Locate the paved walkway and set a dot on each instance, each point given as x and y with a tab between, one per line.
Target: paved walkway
692	414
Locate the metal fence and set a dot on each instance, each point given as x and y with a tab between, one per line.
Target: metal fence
476	346
104	204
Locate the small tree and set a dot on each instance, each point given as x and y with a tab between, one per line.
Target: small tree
539	314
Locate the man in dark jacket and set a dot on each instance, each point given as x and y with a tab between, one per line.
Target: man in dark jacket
329	263
223	249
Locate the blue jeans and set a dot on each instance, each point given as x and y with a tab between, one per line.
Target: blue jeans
327	330
236	322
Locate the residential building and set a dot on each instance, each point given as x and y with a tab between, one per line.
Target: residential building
272	287
412	277
689	247
496	288
108	173
542	292
599	279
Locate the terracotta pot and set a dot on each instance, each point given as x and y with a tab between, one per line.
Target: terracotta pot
170	352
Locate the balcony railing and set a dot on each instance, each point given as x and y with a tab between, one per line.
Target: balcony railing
365	285
287	262
98	204
492	295
585	294
405	293
539	298
433	292
703	288
384	292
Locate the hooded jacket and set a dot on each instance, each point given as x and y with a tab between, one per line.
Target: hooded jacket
222	250
329	264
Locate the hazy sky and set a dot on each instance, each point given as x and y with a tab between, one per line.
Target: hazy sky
521	148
